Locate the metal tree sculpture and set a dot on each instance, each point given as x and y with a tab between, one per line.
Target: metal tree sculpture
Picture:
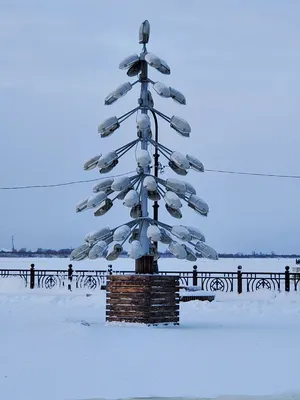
135	191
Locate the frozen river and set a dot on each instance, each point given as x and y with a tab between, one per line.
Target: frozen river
248	264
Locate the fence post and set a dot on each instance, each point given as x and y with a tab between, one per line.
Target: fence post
31	276
239	280
195	275
109	269
70	277
287	278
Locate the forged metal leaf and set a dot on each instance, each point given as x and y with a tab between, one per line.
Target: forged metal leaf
175	185
191	256
82	205
121	183
162	89
176	169
196	233
107	169
80	253
121	233
114	252
131	199
177	96
164	237
153	60
190	188
136	250
134	69
96	199
195	163
199	205
206	251
172	200
180	125
153	195
177	250
104	208
143	158
180	160
136	211
181	232
103	186
98	250
129	61
173	212
107	159
97	235
153	233
91	163
150	183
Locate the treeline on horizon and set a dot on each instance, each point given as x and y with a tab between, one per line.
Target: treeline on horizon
64	253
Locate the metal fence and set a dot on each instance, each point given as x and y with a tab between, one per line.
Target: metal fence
238	281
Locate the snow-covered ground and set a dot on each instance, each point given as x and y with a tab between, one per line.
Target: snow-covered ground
56	345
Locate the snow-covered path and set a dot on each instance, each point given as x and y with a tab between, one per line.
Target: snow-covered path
56	345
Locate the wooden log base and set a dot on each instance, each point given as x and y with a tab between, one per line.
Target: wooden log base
147	299
111	302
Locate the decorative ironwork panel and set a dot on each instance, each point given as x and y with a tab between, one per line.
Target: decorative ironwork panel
185	277
90	279
205	280
48	279
263	280
295	281
21	273
217	281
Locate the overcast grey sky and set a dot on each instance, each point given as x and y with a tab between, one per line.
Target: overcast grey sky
237	62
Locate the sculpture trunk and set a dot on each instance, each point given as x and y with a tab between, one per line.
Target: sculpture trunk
144	265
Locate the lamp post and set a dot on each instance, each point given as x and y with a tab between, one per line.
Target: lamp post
156	168
136	190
